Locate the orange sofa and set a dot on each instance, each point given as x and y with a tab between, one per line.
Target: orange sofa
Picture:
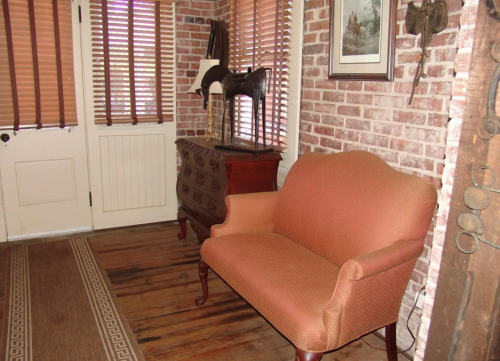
327	258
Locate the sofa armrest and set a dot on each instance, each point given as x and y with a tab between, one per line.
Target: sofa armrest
381	260
248	213
370	287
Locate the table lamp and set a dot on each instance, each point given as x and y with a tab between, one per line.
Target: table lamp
215	88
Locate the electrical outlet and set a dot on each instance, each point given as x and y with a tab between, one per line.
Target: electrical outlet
420	300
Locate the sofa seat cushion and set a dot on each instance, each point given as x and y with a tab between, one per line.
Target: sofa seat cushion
288	284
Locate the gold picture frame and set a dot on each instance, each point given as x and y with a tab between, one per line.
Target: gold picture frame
362	39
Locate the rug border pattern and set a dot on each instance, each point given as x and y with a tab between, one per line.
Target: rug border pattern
113	334
18	345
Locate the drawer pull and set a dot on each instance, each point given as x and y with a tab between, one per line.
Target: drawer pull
185	189
185	154
215	166
199	160
215	187
187	171
200	178
212	206
197	197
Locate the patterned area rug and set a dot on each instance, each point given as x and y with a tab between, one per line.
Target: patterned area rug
59	307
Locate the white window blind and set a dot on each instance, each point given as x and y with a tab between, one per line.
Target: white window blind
260	37
133	61
37	85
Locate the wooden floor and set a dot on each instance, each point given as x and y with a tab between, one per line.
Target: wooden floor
155	277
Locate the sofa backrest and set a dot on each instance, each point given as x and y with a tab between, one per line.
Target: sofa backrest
346	204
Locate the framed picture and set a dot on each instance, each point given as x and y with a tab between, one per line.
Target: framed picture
362	39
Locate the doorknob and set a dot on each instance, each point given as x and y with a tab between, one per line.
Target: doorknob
4	137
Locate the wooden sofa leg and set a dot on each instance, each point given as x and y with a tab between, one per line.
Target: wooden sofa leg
203	272
390	342
302	355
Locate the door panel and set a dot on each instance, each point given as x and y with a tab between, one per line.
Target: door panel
45	182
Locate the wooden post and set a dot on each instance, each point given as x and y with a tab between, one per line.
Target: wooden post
478	331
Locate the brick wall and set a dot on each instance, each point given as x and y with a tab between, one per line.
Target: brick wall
193	29
462	64
375	116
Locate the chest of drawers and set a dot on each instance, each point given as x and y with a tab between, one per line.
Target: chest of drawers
208	175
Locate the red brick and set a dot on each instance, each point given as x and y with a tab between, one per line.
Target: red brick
310	38
309	117
347	135
311	95
406	87
441	55
459	87
323	60
349	110
388	101
425	135
462	63
374	139
468	15
438	120
324	14
465	38
434	151
326	84
416	162
347	147
334	97
431	104
387	129
358	124
377	114
330	131
441	88
409	117
314	49
406	43
350	85
325	108
310	139
312	71
354	98
436	71
407	146
409	57
314	4
387	155
319	25
331	120
377	86
331	143
324	37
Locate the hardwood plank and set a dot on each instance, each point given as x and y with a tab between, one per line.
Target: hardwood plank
155	277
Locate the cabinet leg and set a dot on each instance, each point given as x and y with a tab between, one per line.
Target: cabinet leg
183	233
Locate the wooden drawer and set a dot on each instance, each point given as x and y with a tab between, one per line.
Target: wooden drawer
210	166
195	195
210	185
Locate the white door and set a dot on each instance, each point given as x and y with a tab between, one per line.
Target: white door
44	174
133	168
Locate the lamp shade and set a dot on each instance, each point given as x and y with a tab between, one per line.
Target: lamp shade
205	64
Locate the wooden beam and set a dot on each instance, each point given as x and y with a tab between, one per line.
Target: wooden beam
478	327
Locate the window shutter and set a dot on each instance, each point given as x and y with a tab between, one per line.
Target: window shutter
133	61
37	86
260	37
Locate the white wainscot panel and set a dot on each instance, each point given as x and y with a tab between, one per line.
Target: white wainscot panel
133	171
